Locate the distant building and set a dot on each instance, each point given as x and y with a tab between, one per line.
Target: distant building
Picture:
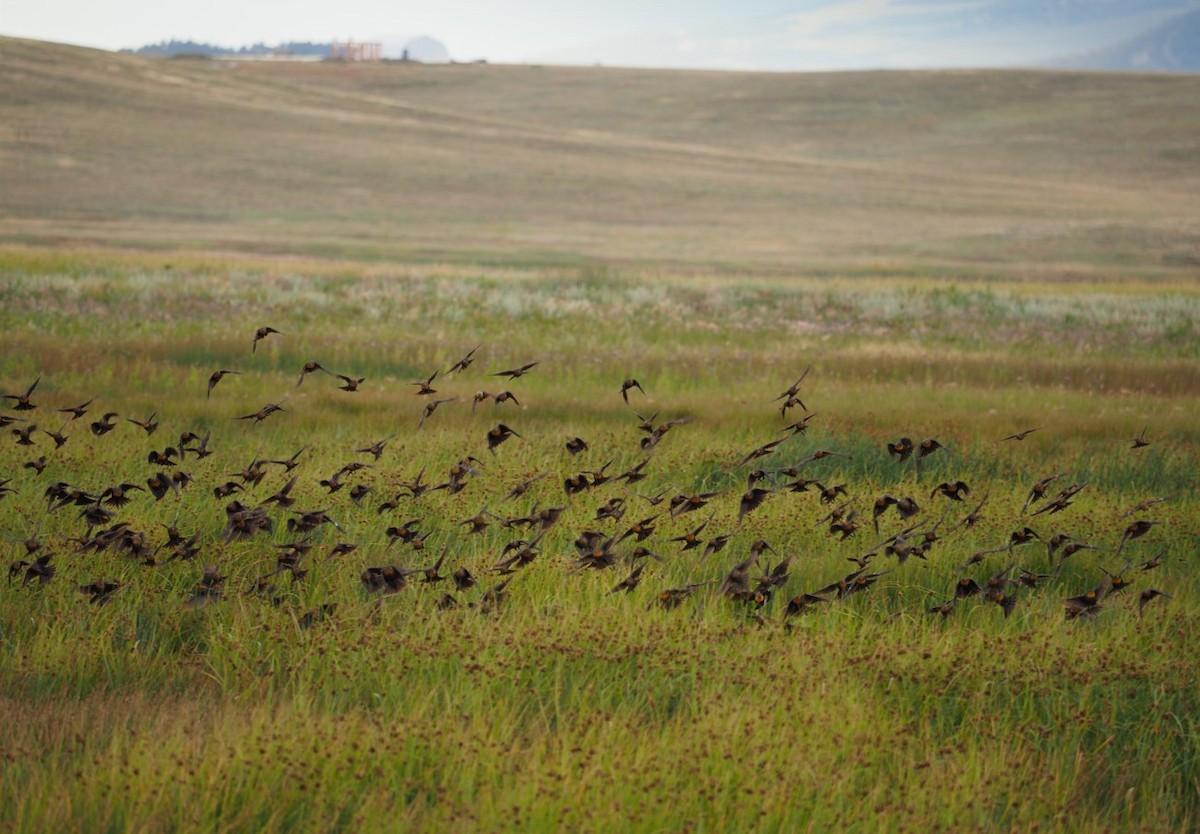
355	51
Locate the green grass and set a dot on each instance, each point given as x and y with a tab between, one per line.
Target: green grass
569	707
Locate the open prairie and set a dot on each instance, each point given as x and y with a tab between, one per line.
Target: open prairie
223	624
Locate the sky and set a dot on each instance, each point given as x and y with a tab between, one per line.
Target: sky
704	34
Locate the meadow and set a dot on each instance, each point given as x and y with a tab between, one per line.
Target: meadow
292	696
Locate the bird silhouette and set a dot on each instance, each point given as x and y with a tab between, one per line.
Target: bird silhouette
629	384
149	426
513	373
263	413
425	386
902	449
76	411
216	377
465	362
497	435
260	334
22	400
1021	435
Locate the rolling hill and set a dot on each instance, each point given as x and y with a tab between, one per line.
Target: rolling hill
950	171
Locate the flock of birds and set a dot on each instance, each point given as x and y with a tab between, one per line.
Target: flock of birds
621	544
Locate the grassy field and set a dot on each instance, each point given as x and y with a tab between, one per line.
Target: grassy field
712	236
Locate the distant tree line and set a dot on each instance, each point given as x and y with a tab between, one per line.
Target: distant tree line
176	47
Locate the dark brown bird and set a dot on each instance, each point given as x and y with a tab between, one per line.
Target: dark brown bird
907	508
288	464
431	407
1038	491
634	473
260	334
716	544
480	396
777	576
966	587
692	539
350	383
503	397
105	424
23	403
523	487
425	387
23	435
497	435
576	445
463	580
801	604
760	452
631	581
164	458
881	506
263	413
613	509
1139	442
1023	536
672	597
1136	530
149	426
1154	562
641	530
954	491
829	494
159	485
681	503
628	384
944	608
794	389
513	373
845	527
1117	581
76	411
118	495
310	367
216	377
972	518
100	591
1004	598
465	362
432	574
736	583
1030	579
1062	500
752	499
1021	435
1087	603
376	448
478	522
798	427
901	449
1144	505
928	447
1147	595
39	569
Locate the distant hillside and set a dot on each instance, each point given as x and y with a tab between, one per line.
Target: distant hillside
1172	47
172	48
948	172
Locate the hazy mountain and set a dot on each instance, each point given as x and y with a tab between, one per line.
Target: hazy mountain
420	48
174	48
1172	47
